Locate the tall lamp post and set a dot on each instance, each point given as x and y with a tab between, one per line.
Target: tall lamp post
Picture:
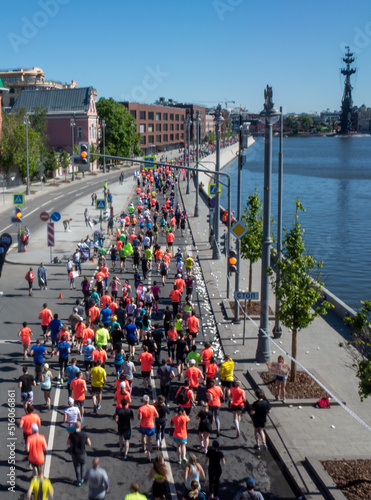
218	121
104	145
27	123
186	151
198	124
277	330
269	116
132	134
73	124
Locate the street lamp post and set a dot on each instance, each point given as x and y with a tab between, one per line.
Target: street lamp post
186	156
132	134
277	330
198	123
73	124
218	121
269	116
104	145
27	123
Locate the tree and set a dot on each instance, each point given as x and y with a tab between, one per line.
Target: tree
292	124
361	324
297	291
64	162
306	122
13	143
51	163
119	139
251	242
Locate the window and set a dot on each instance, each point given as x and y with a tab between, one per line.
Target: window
182	126
151	139
177	137
158	117
11	101
182	136
142	115
164	127
158	138
171	137
177	118
164	116
143	140
79	132
142	128
150	115
133	113
165	138
177	126
158	127
150	127
171	126
172	116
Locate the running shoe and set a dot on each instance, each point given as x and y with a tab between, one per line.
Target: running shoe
256	447
99	407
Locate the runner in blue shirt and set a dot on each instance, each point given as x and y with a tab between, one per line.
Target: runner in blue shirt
64	350
71	372
131	337
38	352
54	328
106	313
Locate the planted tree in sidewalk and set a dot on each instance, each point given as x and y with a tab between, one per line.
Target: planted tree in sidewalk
64	162
299	288
51	163
251	242
360	347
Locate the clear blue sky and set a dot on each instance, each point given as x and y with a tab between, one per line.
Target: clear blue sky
199	50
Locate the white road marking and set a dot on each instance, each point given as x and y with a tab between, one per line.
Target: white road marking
52	426
57	198
43	205
26	215
7	227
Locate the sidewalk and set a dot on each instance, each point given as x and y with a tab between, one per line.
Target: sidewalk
300	434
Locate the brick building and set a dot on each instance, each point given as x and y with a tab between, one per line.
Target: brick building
3	92
161	128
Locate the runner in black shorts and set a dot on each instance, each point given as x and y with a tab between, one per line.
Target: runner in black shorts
181	353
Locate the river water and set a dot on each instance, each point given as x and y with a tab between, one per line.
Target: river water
332	178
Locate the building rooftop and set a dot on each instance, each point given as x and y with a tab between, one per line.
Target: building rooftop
55	100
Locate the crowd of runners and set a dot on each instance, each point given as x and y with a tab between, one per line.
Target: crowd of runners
120	329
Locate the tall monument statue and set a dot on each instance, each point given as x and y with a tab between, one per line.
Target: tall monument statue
347	102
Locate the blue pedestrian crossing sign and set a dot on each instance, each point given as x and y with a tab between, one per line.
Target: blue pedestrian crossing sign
212	189
18	198
100	204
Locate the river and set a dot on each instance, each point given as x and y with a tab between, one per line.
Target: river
332	178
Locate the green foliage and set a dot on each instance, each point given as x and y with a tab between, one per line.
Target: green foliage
251	245
119	138
292	123
13	141
298	290
64	160
94	149
51	163
306	122
360	325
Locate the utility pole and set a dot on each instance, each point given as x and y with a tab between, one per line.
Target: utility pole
238	242
218	121
197	123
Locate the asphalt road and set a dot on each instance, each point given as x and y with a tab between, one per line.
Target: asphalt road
242	460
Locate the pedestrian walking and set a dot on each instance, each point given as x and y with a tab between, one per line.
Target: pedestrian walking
249	493
30	277
97	479
259	411
215	459
78	440
42	276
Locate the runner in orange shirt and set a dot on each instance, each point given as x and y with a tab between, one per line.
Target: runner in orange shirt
27	421
93	314
211	371
238	403
87	333
79	329
145	359
193	375
25	333
158	254
180	434
46	316
175	299
170	239
79	388
147	414
193	326
99	354
206	355
214	395
36	448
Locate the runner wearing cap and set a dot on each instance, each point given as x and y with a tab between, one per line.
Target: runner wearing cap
71	415
249	493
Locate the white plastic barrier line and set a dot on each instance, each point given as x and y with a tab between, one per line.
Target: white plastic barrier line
346	408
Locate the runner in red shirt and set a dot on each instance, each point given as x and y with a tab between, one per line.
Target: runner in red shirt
27	421
169	239
36	448
147	414
206	355
193	326
175	299
238	403
180	434
193	375
46	316
211	371
214	395
87	333
145	359
79	388
25	333
99	354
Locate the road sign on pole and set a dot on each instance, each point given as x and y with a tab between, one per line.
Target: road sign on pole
44	216
18	199
246	295
212	189
212	202
55	216
100	204
149	162
238	230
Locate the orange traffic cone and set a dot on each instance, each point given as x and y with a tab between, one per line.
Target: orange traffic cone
93	261
60	296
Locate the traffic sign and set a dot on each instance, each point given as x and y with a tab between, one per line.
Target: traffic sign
212	189
238	229
55	216
44	216
212	201
6	240
149	160
100	204
18	199
246	295
50	234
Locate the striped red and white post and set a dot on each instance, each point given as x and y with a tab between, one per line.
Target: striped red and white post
50	234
